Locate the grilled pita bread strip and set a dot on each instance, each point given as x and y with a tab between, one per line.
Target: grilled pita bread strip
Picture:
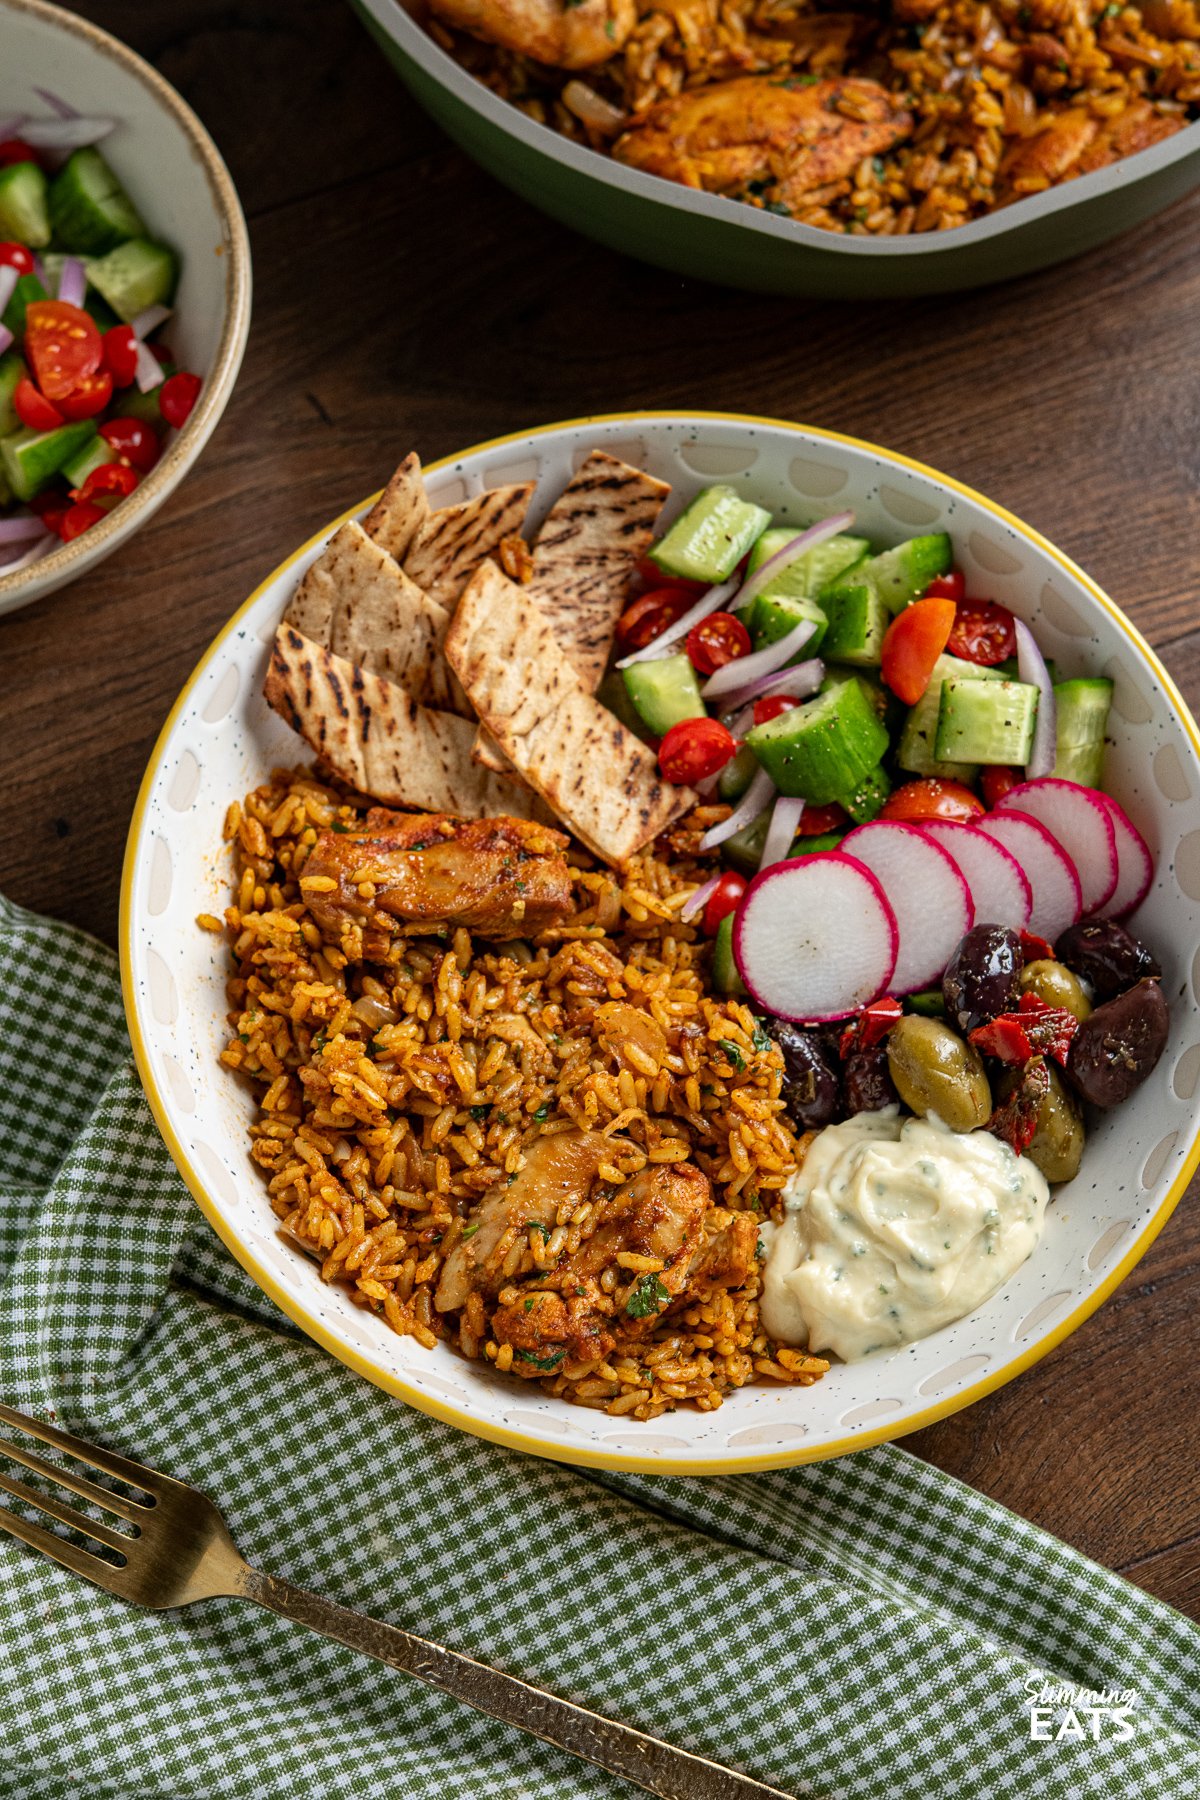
450	544
400	510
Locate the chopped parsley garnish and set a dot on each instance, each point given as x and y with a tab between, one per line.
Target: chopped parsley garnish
761	1039
777	207
540	1362
647	1296
470	1230
760	1250
536	1224
318	1042
543	1112
342	829
732	1052
529	1304
481	1112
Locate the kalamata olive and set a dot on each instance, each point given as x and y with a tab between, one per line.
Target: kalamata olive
982	976
1106	956
1115	1049
1057	1143
1054	983
936	1072
866	1081
810	1080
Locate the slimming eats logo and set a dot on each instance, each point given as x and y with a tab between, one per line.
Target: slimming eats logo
1062	1714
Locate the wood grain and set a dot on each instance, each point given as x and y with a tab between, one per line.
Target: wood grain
403	299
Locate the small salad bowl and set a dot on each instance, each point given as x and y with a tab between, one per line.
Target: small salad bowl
176	178
221	739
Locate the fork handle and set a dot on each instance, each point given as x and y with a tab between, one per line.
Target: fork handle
657	1767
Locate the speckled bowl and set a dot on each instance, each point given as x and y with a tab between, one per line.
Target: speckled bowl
221	740
182	188
715	239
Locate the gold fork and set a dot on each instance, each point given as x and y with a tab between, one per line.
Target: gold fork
179	1550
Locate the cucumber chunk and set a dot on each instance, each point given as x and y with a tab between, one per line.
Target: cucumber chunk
709	540
24	214
1082	722
816	569
612	691
744	849
137	274
725	977
900	575
824	748
31	458
27	290
915	752
858	622
93	455
89	209
815	846
664	692
930	1004
737	775
865	800
773	615
12	368
986	721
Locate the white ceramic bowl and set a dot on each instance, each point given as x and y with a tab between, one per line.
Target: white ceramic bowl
221	740
182	188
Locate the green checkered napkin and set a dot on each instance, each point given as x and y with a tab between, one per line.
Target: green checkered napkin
866	1629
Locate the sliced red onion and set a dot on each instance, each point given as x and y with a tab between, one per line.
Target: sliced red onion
695	903
32	555
785	817
149	321
797	681
11	127
20	529
6	339
62	109
1031	667
710	602
756	799
8	281
72	282
39	269
734	676
149	372
66	134
782	559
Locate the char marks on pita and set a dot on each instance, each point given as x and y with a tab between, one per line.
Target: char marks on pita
449	544
593	773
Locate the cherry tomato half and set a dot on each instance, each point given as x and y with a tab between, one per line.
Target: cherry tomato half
33	409
63	346
984	632
133	439
996	781
89	397
79	518
120	354
178	396
932	798
914	641
51	507
715	641
649	572
723	900
695	749
649	616
16	150
947	587
815	821
771	705
16	256
107	484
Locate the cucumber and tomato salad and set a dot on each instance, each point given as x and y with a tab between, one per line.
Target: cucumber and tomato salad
884	792
84	399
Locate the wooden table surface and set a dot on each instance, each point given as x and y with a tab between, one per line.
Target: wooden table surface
404	300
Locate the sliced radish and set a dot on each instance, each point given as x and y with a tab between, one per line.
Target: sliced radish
1048	869
927	892
996	879
1135	865
815	938
1077	818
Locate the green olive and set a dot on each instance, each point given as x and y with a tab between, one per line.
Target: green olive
1057	1143
1054	983
936	1072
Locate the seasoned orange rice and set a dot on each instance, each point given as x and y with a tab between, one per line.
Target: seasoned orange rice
983	79
392	1096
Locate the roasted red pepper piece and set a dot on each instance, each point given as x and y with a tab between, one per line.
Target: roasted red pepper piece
1015	1120
871	1026
1035	1029
1036	949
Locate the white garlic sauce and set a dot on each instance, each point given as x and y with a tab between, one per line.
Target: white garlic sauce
895	1227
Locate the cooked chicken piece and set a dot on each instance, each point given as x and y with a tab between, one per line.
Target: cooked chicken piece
559	1167
622	1028
545	1330
565	35
727	1258
501	877
1075	142
790	135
